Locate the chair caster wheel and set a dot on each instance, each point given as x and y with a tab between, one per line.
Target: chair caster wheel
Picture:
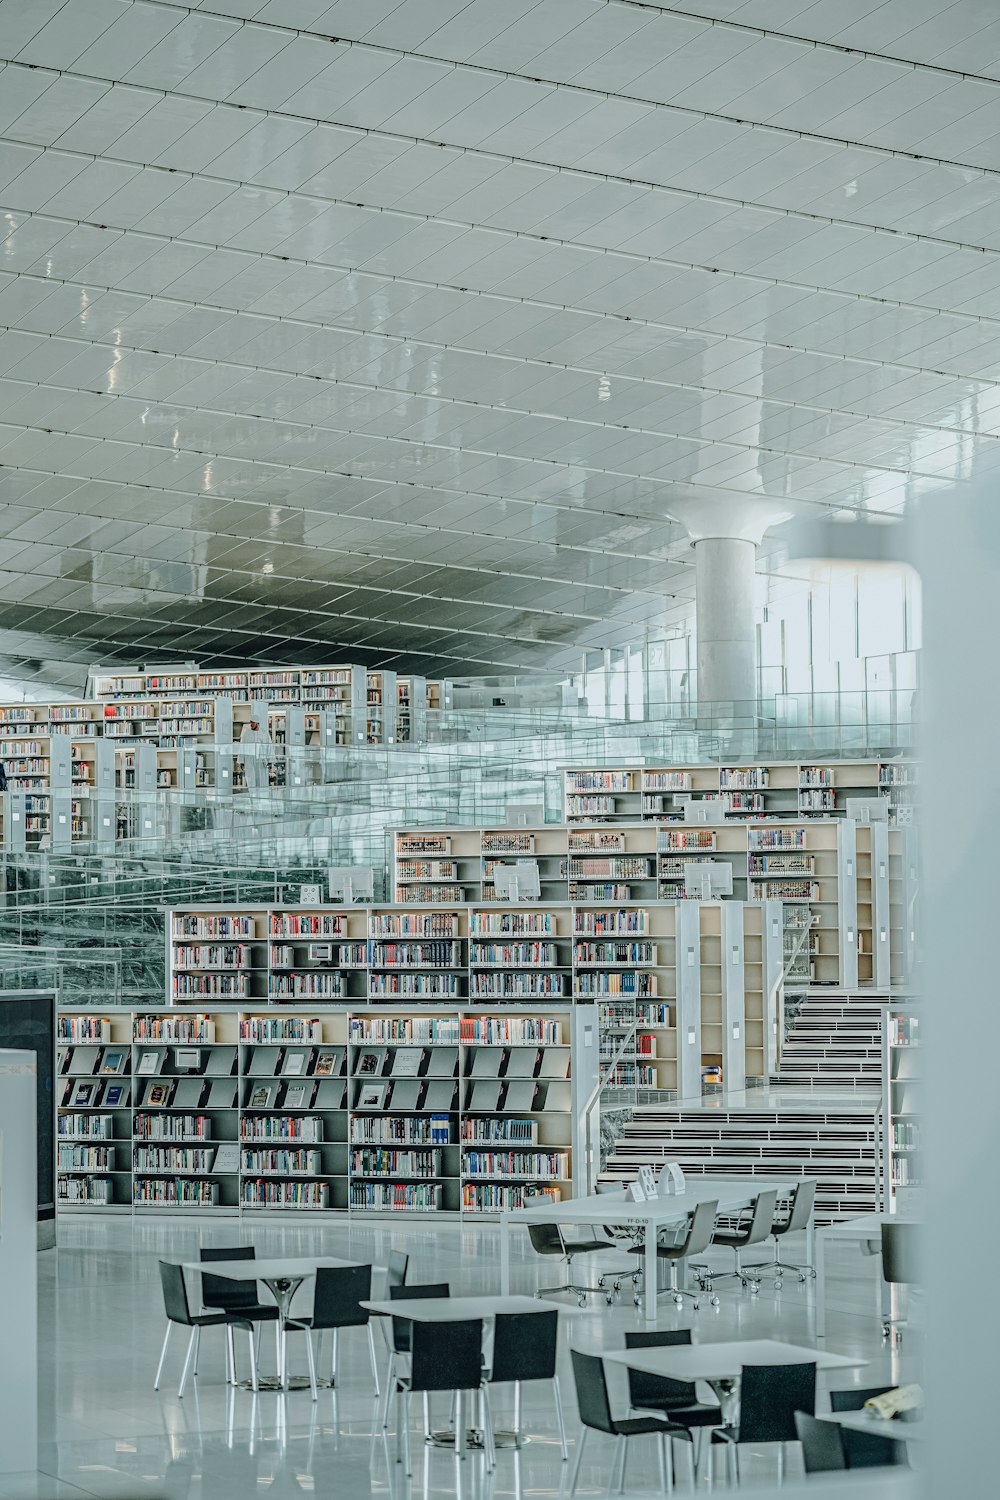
581	1301
715	1301
754	1288
696	1305
743	1281
679	1302
618	1286
803	1278
609	1299
637	1301
886	1330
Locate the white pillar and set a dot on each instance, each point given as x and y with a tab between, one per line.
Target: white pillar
959	533
726	530
725	629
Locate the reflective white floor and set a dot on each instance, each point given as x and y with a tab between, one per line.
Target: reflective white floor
105	1432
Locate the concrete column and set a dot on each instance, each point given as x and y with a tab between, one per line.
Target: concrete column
725	581
726	530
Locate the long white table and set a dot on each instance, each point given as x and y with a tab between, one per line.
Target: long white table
282	1275
732	1194
720	1363
852	1231
860	1421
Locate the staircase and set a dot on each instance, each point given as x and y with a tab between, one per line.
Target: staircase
833	1040
828	1129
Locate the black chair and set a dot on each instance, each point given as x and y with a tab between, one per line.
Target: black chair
696	1238
822	1443
595	1415
548	1239
241	1299
798	1216
677	1400
337	1299
867	1450
397	1265
175	1305
402	1332
524	1348
753	1230
770	1395
443	1357
900	1265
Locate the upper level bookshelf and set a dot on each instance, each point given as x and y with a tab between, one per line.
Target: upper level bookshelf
847	888
370	707
775	788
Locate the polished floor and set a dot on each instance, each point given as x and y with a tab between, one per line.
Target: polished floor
106	1433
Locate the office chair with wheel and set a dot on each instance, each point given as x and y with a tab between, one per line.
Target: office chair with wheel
753	1230
548	1239
694	1241
900	1257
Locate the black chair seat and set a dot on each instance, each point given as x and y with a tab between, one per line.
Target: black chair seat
260	1312
209	1320
642	1426
698	1414
215	1319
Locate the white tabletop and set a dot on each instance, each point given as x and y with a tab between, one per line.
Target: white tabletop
864	1227
723	1361
286	1268
614	1208
862	1421
455	1309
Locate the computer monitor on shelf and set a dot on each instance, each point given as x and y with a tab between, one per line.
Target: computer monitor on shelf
867	809
517	882
704	810
351	883
524	814
708	879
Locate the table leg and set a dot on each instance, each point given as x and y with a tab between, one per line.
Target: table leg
282	1289
819	1261
728	1392
649	1262
504	1257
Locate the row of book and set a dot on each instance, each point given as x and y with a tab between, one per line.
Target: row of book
534	1164
482	1197
385	1162
621	982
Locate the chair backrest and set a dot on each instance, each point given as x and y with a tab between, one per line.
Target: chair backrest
222	1291
900	1246
447	1356
524	1346
802	1207
397	1264
658	1390
175	1302
866	1450
592	1391
822	1444
546	1239
759	1228
770	1395
338	1295
401	1327
700	1227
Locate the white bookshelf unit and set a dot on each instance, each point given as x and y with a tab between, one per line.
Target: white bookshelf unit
902	1154
840	881
775	788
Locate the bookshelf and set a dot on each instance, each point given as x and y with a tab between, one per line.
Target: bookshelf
339	1108
777	788
902	1169
367	707
831	875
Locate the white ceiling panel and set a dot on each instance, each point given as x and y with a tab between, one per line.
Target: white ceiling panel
429	306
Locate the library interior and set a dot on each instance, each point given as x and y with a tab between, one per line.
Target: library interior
488	837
